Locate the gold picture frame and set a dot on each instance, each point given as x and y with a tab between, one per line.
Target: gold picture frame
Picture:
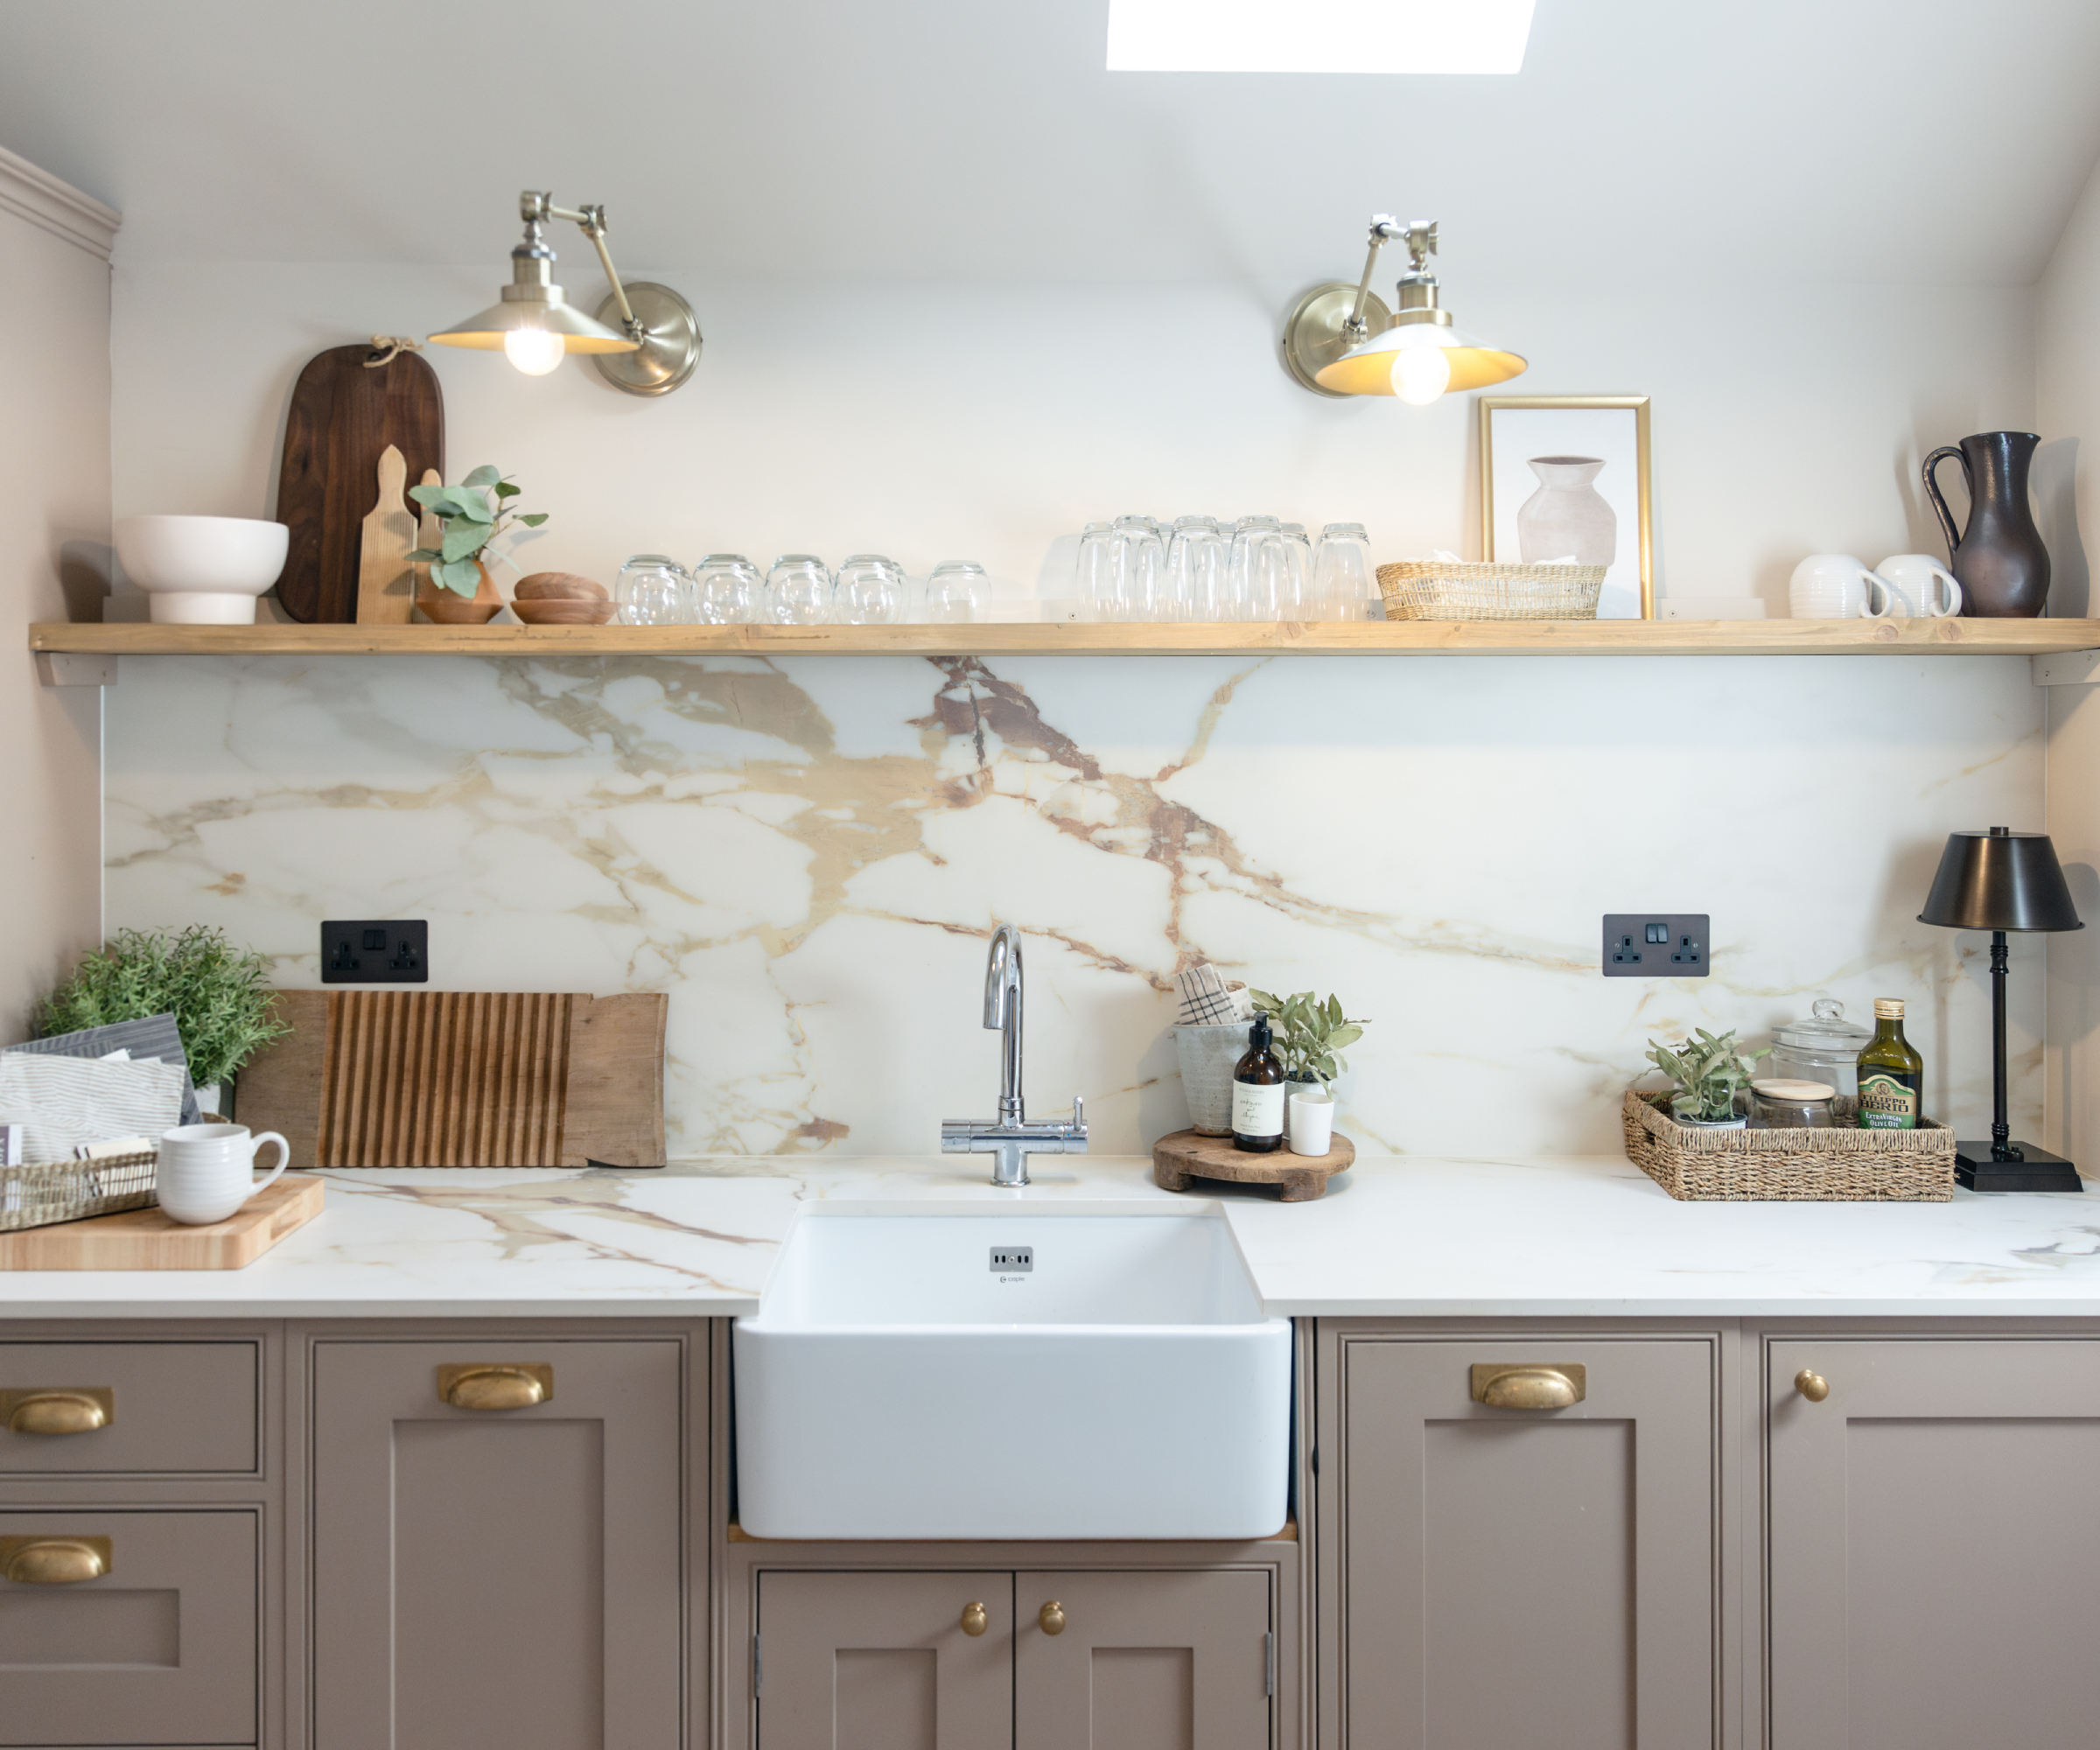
1635	404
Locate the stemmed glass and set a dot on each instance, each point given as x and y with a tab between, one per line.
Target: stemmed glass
870	591
798	591
724	591
955	591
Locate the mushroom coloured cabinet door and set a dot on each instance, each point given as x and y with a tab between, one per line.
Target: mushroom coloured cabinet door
1934	1551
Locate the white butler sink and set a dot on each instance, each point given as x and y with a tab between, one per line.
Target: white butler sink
1001	1375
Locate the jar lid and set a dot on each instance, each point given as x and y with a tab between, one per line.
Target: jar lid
1827	1031
1796	1092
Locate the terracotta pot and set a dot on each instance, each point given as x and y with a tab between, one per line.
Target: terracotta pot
442	607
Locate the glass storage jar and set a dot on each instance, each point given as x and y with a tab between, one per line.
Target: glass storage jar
1826	1047
1785	1105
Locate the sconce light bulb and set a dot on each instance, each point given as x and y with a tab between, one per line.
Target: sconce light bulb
1421	373
533	351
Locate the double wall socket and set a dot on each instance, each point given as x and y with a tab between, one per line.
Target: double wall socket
375	951
1654	945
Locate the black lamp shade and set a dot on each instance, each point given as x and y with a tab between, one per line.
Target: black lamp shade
2000	881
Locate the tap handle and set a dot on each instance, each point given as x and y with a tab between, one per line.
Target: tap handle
1079	1113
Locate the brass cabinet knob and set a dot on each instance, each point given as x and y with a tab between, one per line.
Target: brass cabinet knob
1052	1616
1812	1386
55	1561
974	1619
1530	1385
59	1409
496	1385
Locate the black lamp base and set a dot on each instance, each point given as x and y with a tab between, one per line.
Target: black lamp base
2041	1170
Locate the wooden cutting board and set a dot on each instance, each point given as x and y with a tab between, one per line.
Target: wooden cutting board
1184	1155
149	1239
386	581
463	1078
342	418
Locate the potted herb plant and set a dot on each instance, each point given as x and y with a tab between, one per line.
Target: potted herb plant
472	514
1310	1036
1708	1072
214	990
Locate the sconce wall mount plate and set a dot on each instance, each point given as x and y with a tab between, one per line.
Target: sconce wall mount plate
1315	332
670	340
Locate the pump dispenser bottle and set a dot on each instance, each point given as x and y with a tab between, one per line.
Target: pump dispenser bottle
1257	1094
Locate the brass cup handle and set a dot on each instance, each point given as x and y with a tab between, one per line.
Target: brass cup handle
974	1619
59	1409
1811	1385
55	1561
1052	1616
1530	1385
496	1385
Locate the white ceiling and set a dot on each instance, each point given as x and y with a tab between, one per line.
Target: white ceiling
915	139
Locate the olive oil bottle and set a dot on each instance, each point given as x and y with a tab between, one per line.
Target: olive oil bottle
1257	1093
1892	1075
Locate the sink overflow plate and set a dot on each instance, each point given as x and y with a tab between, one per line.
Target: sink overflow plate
1013	1260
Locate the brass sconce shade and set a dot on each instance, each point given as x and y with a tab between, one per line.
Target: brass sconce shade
644	338
1340	340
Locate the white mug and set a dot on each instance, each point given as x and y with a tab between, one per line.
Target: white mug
1836	586
1918	585
207	1171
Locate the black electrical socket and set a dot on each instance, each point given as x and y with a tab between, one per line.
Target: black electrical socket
375	951
1654	944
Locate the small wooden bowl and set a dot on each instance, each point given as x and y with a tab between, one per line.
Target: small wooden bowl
563	611
443	608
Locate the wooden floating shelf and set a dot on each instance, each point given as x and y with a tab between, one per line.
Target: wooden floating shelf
1954	637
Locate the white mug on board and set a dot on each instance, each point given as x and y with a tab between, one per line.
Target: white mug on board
1919	585
1836	586
207	1171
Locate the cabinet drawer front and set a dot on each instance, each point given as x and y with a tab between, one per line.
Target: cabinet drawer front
160	1649
169	1407
1527	1575
1934	1558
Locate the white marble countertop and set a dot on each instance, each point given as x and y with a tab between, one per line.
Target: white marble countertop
1561	1237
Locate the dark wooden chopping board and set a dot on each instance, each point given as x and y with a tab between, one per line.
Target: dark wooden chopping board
343	416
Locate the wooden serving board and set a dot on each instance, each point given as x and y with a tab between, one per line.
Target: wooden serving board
463	1078
386	581
343	418
149	1239
1184	1155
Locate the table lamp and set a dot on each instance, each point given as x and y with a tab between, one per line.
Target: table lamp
2003	881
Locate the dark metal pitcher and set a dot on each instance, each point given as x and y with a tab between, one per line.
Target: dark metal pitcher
2002	566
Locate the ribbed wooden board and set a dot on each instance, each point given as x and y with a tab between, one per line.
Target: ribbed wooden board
150	1239
463	1078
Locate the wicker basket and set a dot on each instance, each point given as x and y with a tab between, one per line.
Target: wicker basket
71	1190
1431	589
1840	1165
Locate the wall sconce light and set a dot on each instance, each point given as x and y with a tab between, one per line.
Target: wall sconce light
1341	341
645	337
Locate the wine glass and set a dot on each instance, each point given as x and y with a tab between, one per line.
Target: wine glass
870	591
955	591
726	591
798	591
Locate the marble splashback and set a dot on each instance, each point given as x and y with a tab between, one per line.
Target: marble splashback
809	855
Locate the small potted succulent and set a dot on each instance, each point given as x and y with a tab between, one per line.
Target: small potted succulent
1310	1036
1710	1073
459	590
214	990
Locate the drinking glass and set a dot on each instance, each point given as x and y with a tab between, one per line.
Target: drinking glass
1198	564
724	591
1343	582
1139	565
1298	603
1095	581
956	590
798	591
651	590
1259	585
870	591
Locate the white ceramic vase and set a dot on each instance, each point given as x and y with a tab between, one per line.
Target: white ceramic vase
1567	515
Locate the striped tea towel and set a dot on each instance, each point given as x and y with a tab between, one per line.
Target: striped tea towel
63	1101
1207	1000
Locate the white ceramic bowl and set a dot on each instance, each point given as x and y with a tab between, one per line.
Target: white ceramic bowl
202	571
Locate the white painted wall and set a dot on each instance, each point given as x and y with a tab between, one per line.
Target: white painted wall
2068	407
54	536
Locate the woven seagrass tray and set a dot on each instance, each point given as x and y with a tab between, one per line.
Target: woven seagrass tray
1433	589
71	1190
1843	1165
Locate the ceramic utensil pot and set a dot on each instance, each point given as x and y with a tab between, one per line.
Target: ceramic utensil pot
207	1171
1918	587
1836	586
1999	558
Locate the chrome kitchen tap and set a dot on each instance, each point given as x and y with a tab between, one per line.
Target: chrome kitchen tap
1010	1138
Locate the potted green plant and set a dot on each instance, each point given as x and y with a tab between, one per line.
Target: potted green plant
214	990
471	514
1309	1036
1708	1072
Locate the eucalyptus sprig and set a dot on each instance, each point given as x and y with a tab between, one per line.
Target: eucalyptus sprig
1309	1034
1708	1072
469	522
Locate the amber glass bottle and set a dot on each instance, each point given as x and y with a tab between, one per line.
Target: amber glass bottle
1892	1075
1257	1094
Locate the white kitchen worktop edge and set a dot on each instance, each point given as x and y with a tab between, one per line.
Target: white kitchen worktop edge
1567	1237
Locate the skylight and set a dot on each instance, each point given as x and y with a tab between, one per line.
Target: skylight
1335	36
